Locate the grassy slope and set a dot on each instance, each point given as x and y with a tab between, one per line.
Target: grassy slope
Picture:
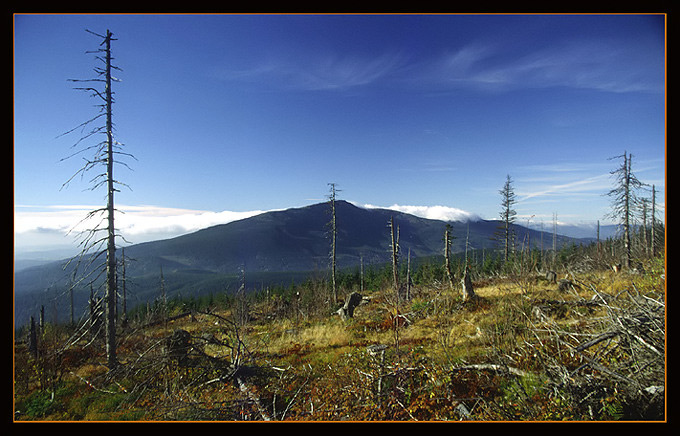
305	367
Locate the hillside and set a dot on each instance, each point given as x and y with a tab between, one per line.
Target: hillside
525	349
272	248
297	239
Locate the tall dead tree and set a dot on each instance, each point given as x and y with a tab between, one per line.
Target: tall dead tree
447	254
623	200
644	212
408	276
124	319
508	214
653	231
554	239
105	153
334	235
394	236
396	317
241	313
164	299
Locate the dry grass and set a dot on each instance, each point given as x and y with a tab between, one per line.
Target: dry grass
321	356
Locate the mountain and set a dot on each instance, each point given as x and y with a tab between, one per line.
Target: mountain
273	247
580	231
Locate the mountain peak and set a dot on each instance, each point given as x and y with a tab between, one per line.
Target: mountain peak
278	242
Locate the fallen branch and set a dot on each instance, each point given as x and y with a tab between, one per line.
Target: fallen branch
253	398
503	369
597	340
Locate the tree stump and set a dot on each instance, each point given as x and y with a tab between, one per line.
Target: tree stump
347	310
551	276
468	290
178	346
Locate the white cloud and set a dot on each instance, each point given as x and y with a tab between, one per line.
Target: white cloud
38	226
443	213
42	227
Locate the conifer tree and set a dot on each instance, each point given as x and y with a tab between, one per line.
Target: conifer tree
508	214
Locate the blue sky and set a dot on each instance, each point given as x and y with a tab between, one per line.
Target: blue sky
230	115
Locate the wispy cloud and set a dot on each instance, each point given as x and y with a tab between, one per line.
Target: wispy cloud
585	64
596	65
326	72
579	187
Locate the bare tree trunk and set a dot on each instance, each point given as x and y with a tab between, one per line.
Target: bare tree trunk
554	241
598	238
508	214
70	292
361	274
111	242
104	156
164	299
626	225
408	276
42	319
334	233
653	235
394	235
467	290
447	255
33	339
124	319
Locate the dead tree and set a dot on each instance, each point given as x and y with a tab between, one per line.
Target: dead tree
394	236
623	200
164	299
408	276
654	229
334	234
124	319
468	291
347	310
447	254
33	338
105	153
241	312
508	214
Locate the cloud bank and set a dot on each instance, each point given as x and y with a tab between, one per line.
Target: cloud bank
443	213
44	227
51	226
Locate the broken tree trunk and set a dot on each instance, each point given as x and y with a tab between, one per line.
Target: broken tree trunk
347	310
467	289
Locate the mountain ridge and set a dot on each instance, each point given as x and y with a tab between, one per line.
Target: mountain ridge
291	241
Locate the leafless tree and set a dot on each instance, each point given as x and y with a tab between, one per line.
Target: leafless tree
508	214
653	225
123	263
105	153
447	254
623	200
334	234
394	245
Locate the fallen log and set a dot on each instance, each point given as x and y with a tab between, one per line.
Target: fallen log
502	369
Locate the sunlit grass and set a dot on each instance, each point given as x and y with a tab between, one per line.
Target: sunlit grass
327	358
